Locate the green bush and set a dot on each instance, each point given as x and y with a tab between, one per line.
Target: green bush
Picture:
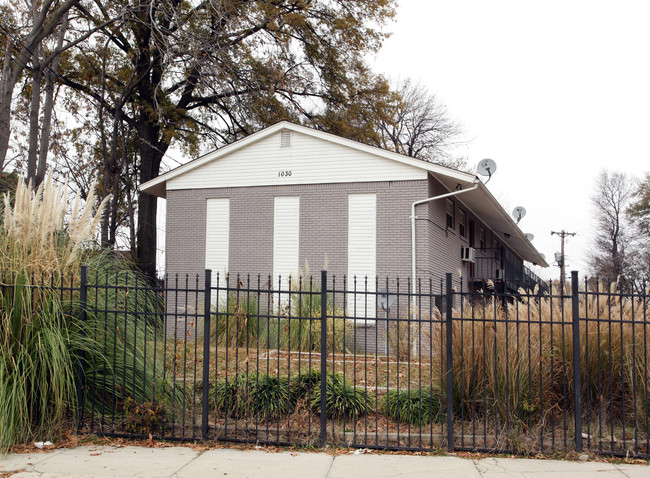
305	383
341	399
229	396
123	364
419	407
263	396
269	396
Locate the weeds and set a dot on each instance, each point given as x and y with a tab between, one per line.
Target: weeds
251	318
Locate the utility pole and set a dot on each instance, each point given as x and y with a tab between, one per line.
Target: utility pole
563	234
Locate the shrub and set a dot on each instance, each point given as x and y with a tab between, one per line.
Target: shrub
269	396
305	383
142	417
341	399
419	407
260	395
124	364
229	397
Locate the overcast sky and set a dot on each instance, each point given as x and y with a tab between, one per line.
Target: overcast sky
553	91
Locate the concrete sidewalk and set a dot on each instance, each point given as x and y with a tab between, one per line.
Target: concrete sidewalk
183	462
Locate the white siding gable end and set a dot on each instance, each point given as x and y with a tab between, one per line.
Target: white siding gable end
296	159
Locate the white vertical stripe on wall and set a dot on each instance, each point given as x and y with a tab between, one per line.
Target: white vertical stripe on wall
217	239
286	241
362	253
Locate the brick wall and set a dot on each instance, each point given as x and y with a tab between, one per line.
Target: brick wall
323	227
323	230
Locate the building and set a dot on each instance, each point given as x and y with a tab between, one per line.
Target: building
289	195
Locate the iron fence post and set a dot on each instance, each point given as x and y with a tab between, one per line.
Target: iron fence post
206	354
449	365
323	358
81	374
577	385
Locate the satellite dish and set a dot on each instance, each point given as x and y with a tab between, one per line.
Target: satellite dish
543	256
529	236
518	213
486	167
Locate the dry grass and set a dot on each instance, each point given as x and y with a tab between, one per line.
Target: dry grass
515	360
39	236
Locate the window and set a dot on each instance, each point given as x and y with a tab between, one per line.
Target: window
449	208
481	239
462	223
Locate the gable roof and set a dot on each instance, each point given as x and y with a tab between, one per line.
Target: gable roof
479	201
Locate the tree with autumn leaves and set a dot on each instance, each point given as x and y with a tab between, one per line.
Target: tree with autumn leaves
138	78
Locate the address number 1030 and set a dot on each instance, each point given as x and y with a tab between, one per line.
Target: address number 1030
284	174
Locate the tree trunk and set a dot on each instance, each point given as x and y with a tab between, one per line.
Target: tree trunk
6	93
151	153
46	127
34	117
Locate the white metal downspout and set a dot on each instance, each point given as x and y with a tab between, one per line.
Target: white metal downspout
414	217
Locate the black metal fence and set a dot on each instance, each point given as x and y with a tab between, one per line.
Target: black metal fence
373	364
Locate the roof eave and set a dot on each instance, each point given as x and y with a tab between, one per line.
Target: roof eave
533	256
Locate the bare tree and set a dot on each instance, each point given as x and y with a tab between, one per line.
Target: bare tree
40	115
419	125
612	195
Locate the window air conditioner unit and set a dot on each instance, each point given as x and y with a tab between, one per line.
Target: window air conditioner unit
500	274
467	254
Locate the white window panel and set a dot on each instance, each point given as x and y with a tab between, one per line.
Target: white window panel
217	241
362	255
286	243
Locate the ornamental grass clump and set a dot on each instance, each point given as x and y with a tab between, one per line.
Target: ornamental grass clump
416	407
261	396
341	398
125	364
40	238
39	340
513	359
269	396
